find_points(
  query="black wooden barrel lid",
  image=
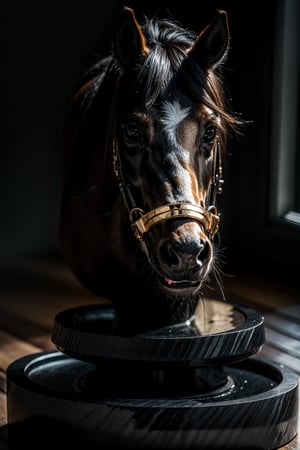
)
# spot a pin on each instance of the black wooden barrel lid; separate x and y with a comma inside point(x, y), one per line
point(64, 401)
point(218, 333)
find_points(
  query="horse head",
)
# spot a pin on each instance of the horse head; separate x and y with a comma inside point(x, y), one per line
point(169, 141)
point(165, 139)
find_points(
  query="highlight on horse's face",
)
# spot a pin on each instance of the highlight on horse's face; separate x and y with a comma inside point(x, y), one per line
point(167, 142)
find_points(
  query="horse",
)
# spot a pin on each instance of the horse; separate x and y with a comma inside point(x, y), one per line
point(145, 139)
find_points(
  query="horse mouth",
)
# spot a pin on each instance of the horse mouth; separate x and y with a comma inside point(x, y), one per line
point(182, 287)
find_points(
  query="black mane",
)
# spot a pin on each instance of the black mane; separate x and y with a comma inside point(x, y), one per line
point(168, 43)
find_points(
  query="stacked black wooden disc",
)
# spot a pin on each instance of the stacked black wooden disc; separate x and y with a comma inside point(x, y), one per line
point(197, 384)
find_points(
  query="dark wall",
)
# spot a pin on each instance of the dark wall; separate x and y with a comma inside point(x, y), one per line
point(45, 48)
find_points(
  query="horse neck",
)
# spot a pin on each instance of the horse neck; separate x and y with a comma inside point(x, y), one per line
point(87, 148)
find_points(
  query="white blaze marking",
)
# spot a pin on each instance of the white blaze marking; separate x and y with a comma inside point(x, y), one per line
point(173, 114)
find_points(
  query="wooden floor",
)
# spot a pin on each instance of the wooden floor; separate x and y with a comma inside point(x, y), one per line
point(34, 291)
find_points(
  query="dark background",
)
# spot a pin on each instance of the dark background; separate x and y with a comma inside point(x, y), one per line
point(46, 46)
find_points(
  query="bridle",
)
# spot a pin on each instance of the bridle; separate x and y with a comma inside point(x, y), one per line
point(142, 222)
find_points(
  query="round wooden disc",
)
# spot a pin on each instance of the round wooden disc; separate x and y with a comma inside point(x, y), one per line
point(53, 399)
point(218, 333)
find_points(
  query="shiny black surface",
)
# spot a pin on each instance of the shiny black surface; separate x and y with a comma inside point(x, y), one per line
point(218, 333)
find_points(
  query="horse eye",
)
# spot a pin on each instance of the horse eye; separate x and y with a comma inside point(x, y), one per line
point(209, 134)
point(132, 134)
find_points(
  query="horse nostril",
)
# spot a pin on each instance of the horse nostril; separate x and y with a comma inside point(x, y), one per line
point(202, 253)
point(184, 256)
point(169, 255)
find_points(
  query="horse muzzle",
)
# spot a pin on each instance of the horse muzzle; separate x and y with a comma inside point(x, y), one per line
point(184, 256)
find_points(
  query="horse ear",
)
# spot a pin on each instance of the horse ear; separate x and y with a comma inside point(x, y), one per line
point(129, 42)
point(212, 43)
